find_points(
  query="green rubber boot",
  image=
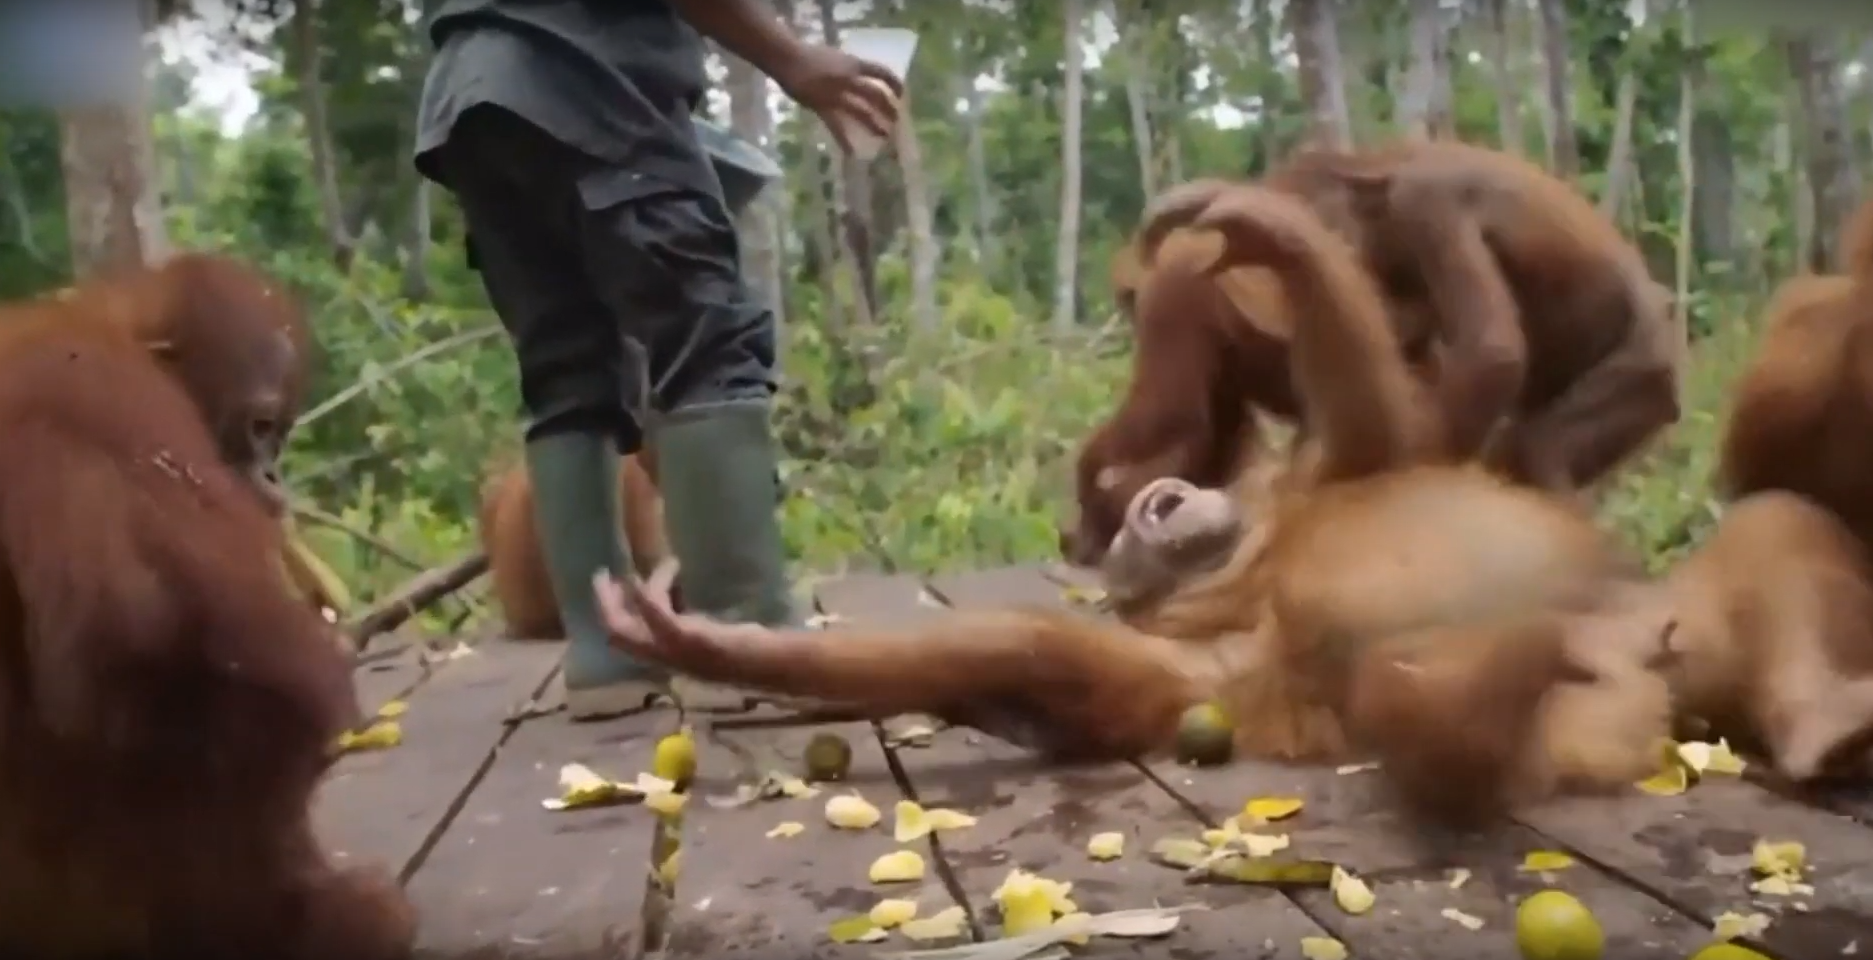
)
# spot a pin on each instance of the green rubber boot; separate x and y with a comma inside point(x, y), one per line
point(580, 520)
point(716, 469)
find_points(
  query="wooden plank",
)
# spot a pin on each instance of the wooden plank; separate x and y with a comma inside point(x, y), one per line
point(511, 879)
point(1407, 920)
point(1693, 851)
point(381, 681)
point(886, 598)
point(387, 804)
point(743, 894)
point(1039, 818)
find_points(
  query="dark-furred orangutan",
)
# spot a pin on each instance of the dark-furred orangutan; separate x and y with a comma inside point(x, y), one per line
point(171, 705)
point(512, 541)
point(1368, 590)
point(1548, 346)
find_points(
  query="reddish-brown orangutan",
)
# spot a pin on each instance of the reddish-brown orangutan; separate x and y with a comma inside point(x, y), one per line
point(1803, 411)
point(1370, 558)
point(171, 705)
point(512, 542)
point(1546, 343)
point(234, 339)
point(1774, 646)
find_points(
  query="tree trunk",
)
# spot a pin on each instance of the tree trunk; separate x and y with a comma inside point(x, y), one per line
point(113, 196)
point(852, 200)
point(749, 119)
point(1508, 90)
point(1423, 110)
point(981, 192)
point(1136, 65)
point(1563, 145)
point(924, 252)
point(308, 50)
point(416, 286)
point(1713, 159)
point(1688, 84)
point(1619, 163)
point(1814, 62)
point(1067, 245)
point(1323, 81)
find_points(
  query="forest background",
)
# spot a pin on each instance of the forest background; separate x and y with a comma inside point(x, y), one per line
point(949, 332)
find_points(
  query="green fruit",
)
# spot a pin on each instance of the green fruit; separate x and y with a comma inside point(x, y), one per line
point(828, 757)
point(1552, 925)
point(1205, 736)
point(675, 759)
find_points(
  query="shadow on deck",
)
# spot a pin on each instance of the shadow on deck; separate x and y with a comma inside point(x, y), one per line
point(457, 807)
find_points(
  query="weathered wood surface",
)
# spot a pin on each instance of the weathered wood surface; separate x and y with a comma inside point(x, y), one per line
point(456, 810)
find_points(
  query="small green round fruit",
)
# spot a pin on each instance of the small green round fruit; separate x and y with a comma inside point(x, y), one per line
point(1205, 736)
point(827, 757)
point(1552, 925)
point(675, 759)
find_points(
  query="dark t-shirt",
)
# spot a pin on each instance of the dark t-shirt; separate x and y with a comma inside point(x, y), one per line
point(615, 79)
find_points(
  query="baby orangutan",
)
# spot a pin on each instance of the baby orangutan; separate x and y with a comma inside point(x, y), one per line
point(1368, 596)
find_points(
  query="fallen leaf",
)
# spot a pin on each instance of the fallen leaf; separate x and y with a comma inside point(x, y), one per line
point(1270, 809)
point(1106, 846)
point(946, 924)
point(1322, 948)
point(903, 866)
point(1464, 920)
point(855, 930)
point(1350, 893)
point(1543, 861)
point(889, 913)
point(849, 811)
point(785, 830)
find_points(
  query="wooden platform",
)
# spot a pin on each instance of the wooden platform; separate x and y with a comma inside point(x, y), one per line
point(457, 808)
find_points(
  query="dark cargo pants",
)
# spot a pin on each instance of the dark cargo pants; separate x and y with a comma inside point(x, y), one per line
point(617, 289)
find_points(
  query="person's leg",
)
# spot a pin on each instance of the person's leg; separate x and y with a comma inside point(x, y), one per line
point(667, 261)
point(519, 195)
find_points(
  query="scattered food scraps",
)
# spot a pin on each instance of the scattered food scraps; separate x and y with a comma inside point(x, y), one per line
point(852, 812)
point(947, 924)
point(889, 913)
point(580, 787)
point(903, 866)
point(1546, 861)
point(1461, 919)
point(782, 831)
point(855, 930)
point(1270, 809)
point(1350, 893)
point(1731, 925)
point(915, 823)
point(1106, 846)
point(380, 735)
point(393, 709)
point(1553, 925)
point(1322, 948)
point(1459, 877)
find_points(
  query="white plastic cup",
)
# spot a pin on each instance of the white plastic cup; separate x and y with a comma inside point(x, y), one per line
point(889, 47)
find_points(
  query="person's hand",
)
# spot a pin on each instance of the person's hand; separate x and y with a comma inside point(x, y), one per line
point(840, 88)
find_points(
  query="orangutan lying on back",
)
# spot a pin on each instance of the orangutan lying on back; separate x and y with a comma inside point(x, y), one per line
point(1366, 597)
